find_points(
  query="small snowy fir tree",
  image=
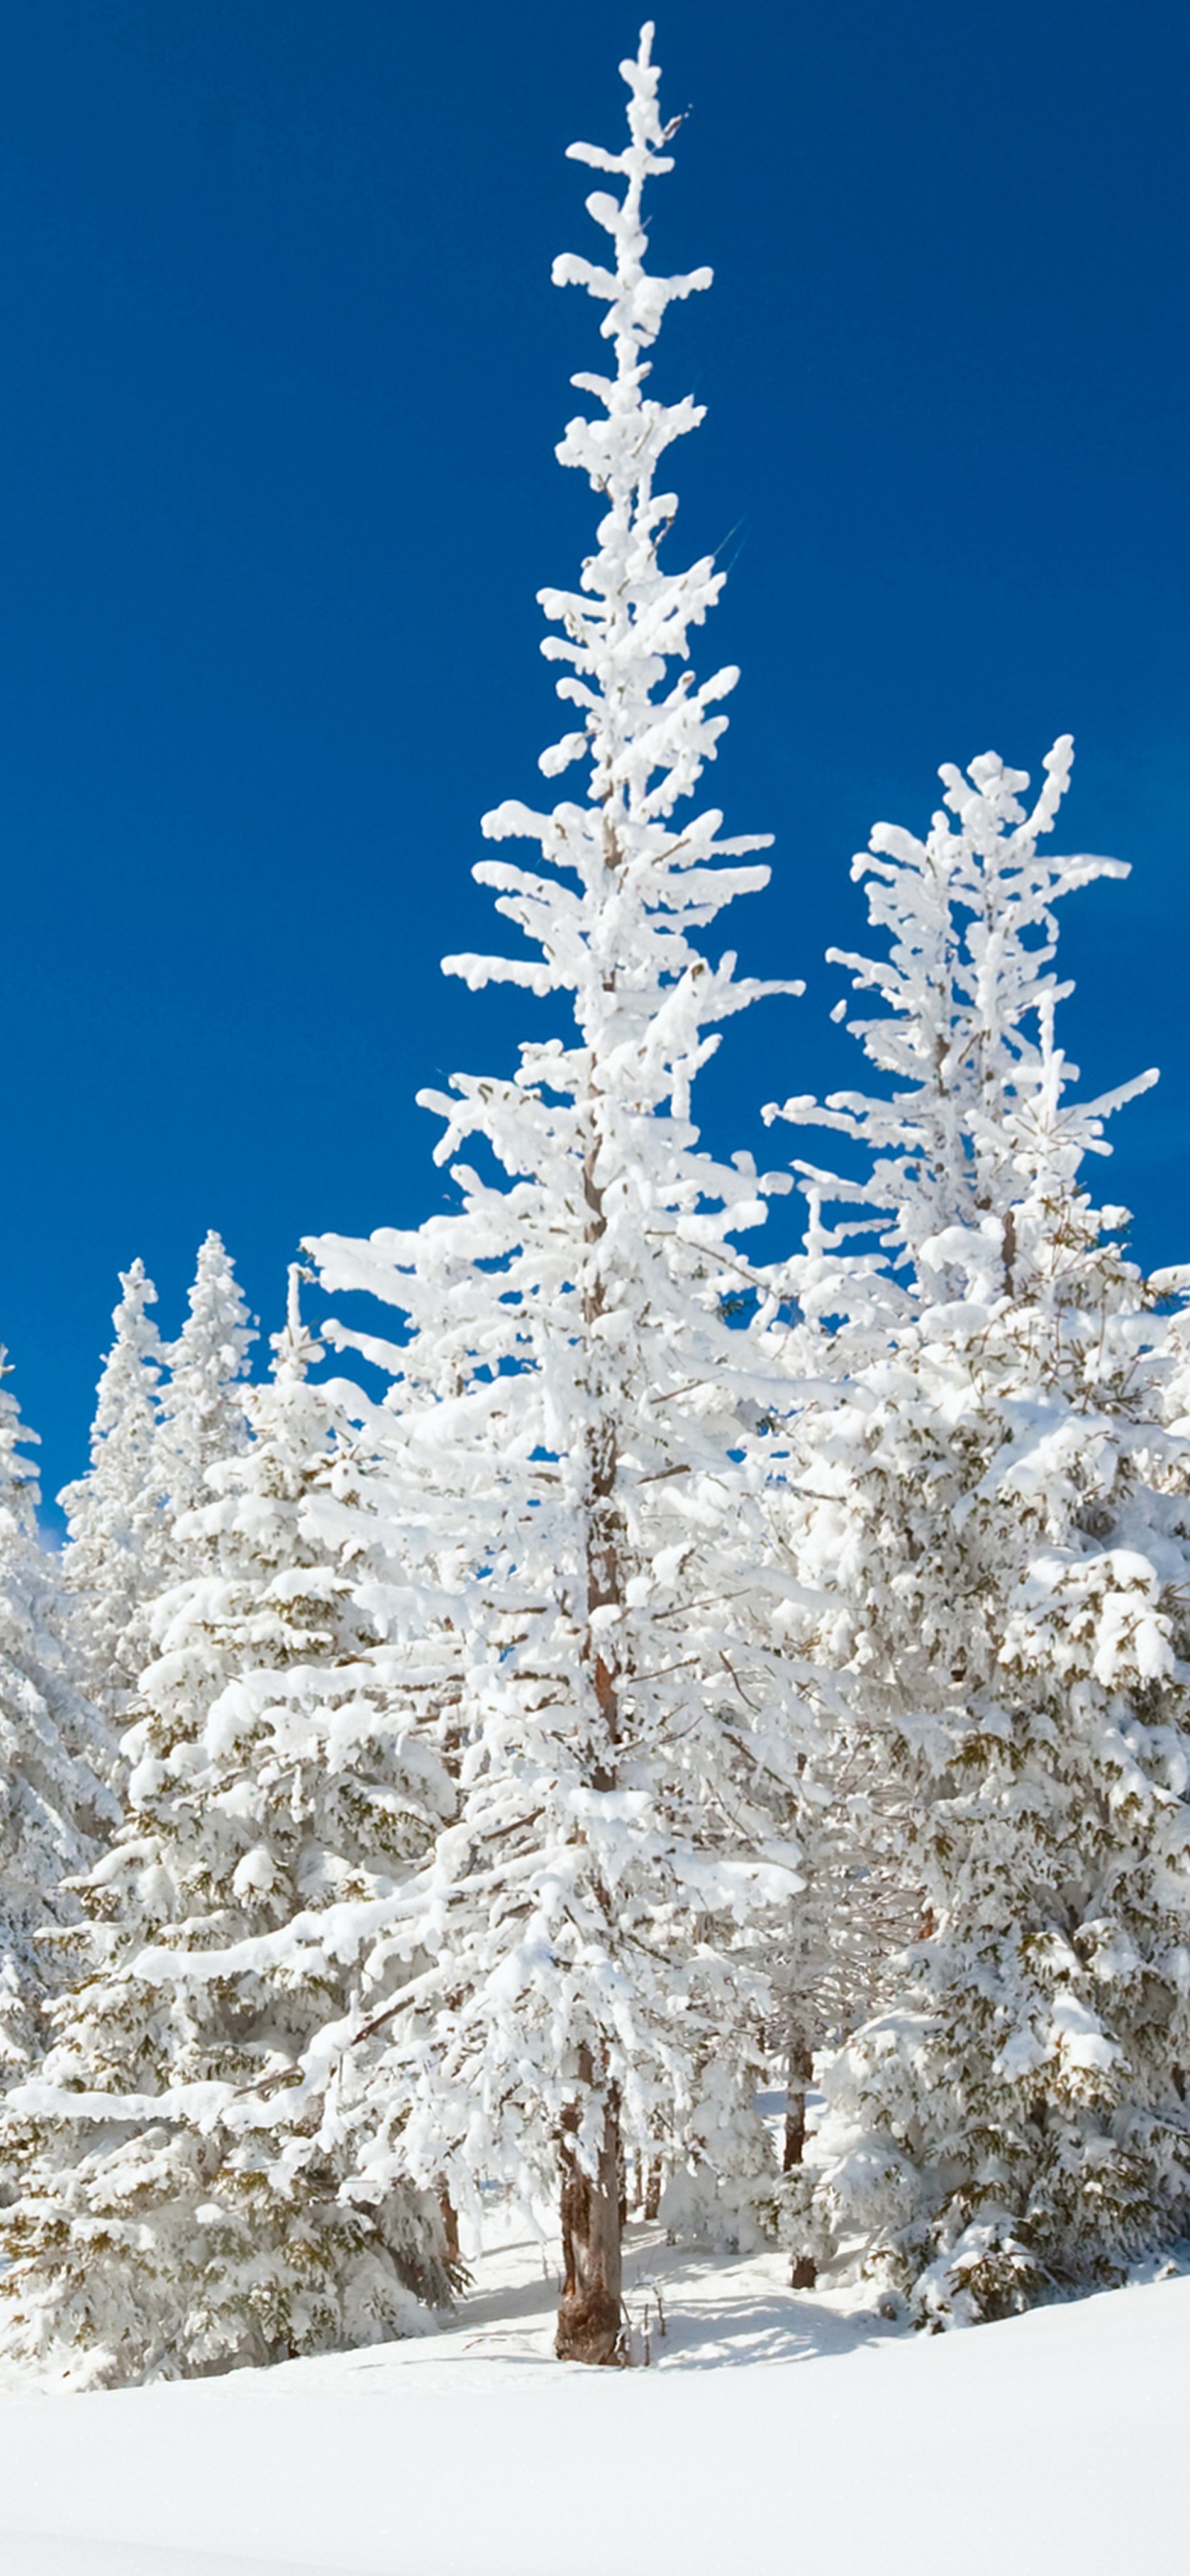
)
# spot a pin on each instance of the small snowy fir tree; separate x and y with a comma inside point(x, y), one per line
point(156, 2233)
point(54, 1807)
point(203, 1409)
point(574, 1433)
point(996, 1520)
point(114, 1514)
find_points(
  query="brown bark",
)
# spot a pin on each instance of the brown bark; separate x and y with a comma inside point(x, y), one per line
point(450, 2225)
point(604, 1572)
point(1010, 1248)
point(803, 2271)
point(593, 2207)
point(801, 2068)
point(590, 2318)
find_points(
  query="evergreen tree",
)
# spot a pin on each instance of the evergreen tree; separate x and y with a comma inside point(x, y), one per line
point(54, 1806)
point(178, 2212)
point(114, 1514)
point(996, 1518)
point(574, 1445)
point(204, 1416)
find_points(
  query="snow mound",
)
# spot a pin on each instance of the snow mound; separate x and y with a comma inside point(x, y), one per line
point(769, 2427)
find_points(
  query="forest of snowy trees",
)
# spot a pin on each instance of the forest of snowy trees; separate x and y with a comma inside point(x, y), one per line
point(663, 1672)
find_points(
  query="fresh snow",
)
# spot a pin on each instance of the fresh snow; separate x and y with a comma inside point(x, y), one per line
point(772, 2428)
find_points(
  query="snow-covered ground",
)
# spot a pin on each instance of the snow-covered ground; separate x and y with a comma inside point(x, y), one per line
point(770, 2428)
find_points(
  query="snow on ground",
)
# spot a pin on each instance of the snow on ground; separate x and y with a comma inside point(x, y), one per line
point(770, 2427)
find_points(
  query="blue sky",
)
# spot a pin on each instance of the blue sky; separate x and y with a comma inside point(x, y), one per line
point(283, 374)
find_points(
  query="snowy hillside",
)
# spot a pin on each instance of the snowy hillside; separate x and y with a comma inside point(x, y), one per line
point(770, 2430)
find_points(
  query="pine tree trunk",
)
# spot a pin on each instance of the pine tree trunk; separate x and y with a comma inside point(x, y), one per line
point(803, 2272)
point(801, 2068)
point(450, 2225)
point(590, 2318)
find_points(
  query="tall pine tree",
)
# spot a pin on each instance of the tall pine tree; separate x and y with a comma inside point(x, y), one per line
point(574, 1438)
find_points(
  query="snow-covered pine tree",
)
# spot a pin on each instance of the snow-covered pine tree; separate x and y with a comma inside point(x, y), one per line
point(54, 1806)
point(115, 1513)
point(179, 2212)
point(999, 1524)
point(151, 1446)
point(203, 1408)
point(587, 1947)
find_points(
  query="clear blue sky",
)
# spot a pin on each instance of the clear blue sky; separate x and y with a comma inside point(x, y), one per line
point(283, 371)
